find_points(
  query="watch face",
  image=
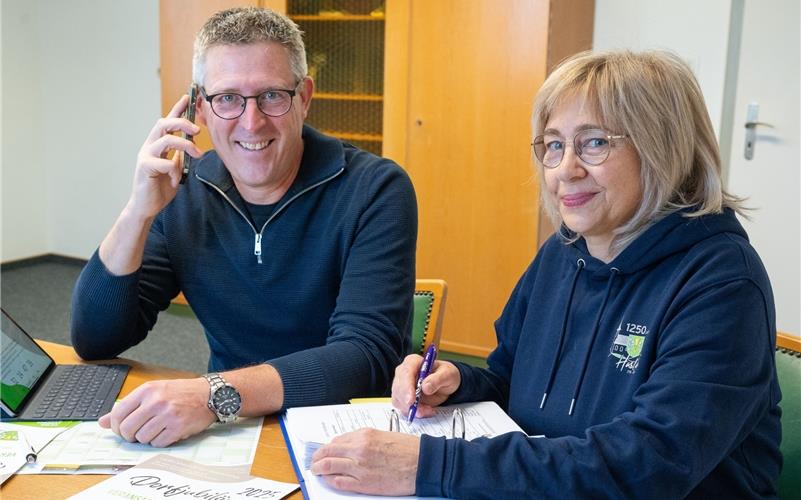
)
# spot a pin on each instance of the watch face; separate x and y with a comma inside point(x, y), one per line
point(227, 400)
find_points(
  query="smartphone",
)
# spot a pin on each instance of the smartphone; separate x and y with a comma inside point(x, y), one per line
point(189, 115)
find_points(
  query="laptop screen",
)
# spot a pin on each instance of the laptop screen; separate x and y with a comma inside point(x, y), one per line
point(23, 364)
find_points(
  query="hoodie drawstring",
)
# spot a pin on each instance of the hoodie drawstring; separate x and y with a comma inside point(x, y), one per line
point(579, 266)
point(592, 340)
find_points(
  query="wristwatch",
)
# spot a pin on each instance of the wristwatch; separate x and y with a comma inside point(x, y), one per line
point(224, 400)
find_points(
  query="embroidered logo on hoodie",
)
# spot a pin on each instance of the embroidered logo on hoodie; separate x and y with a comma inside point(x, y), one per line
point(627, 346)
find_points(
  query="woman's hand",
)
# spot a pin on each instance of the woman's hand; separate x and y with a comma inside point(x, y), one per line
point(369, 461)
point(443, 381)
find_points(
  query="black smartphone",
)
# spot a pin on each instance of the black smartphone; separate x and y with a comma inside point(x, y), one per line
point(189, 115)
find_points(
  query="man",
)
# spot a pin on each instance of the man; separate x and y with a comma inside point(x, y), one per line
point(295, 251)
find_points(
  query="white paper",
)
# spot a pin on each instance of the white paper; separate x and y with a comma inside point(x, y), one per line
point(319, 424)
point(13, 452)
point(322, 423)
point(165, 476)
point(21, 441)
point(87, 448)
point(40, 434)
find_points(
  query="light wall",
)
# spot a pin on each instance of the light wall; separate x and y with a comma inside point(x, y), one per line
point(24, 212)
point(696, 31)
point(80, 92)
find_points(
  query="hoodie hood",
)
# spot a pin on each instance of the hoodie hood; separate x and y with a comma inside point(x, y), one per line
point(674, 234)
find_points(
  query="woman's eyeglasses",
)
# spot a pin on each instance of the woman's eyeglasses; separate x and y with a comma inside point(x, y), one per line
point(592, 146)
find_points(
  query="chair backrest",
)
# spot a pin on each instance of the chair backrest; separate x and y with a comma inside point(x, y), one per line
point(429, 308)
point(788, 368)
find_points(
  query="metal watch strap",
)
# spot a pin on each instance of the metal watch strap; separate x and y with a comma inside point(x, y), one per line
point(216, 382)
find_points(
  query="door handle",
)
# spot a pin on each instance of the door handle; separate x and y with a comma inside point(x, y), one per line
point(751, 123)
point(758, 124)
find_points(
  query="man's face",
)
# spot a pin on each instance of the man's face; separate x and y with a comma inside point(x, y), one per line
point(261, 152)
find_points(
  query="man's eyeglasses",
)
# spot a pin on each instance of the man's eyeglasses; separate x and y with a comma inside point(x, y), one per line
point(592, 146)
point(230, 106)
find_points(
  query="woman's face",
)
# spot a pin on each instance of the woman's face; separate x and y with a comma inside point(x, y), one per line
point(593, 200)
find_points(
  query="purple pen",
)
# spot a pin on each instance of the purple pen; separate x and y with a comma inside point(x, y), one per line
point(425, 369)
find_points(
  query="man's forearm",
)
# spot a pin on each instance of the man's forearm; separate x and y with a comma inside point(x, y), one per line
point(122, 249)
point(261, 389)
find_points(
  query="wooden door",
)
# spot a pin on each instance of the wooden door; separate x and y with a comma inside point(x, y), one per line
point(458, 119)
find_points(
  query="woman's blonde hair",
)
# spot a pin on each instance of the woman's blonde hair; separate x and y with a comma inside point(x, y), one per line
point(654, 99)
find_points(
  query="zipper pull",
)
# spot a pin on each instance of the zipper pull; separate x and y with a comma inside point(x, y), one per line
point(257, 248)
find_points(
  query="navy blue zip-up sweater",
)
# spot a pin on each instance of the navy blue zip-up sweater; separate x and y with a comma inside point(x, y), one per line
point(652, 376)
point(327, 302)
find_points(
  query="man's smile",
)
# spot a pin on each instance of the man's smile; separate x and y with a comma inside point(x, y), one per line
point(255, 146)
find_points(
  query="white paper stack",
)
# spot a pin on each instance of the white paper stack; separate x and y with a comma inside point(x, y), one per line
point(310, 427)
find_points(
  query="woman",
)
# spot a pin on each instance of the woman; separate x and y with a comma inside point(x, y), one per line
point(640, 341)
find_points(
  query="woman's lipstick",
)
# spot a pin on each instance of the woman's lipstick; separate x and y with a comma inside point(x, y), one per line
point(576, 199)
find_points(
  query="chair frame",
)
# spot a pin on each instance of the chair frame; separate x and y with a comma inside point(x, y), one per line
point(438, 289)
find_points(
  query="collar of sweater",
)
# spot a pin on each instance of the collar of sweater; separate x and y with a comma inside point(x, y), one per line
point(323, 156)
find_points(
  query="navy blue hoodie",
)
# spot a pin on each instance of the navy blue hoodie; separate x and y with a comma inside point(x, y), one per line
point(652, 376)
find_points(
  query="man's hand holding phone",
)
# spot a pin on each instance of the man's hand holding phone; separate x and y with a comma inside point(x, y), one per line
point(155, 184)
point(157, 176)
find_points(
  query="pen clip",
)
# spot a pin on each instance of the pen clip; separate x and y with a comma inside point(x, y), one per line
point(394, 421)
point(457, 421)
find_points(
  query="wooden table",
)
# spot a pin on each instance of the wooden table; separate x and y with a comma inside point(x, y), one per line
point(272, 458)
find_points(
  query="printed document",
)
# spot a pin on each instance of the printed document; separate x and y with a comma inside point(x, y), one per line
point(14, 449)
point(87, 448)
point(20, 442)
point(164, 476)
point(310, 427)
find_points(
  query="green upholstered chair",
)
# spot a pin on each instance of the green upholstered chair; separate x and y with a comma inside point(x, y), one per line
point(788, 366)
point(429, 307)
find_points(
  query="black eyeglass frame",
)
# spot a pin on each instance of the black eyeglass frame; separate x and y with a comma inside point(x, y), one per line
point(209, 98)
point(612, 138)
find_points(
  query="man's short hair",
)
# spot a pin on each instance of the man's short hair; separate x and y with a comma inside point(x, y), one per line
point(247, 25)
